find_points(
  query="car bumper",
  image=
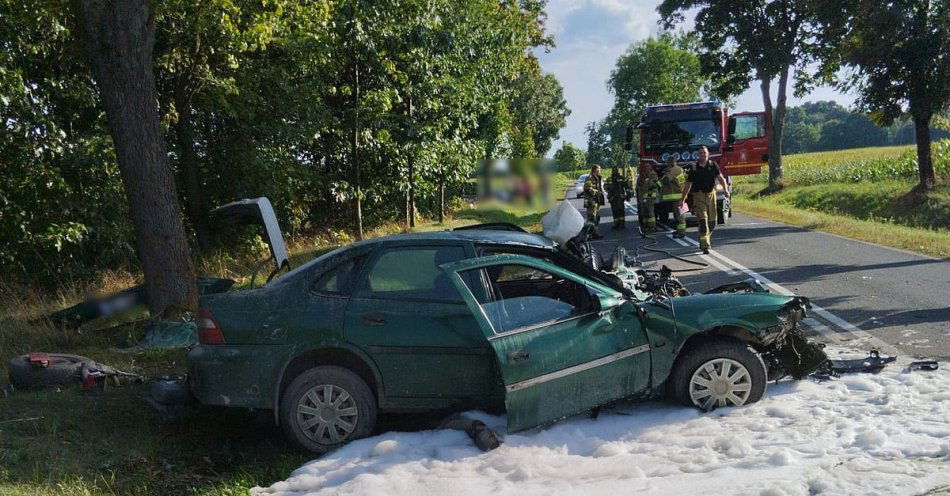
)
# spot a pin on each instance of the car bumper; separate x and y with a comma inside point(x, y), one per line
point(236, 375)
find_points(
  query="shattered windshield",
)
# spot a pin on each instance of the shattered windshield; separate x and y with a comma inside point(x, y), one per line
point(666, 136)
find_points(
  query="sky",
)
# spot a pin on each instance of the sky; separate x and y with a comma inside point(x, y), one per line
point(591, 34)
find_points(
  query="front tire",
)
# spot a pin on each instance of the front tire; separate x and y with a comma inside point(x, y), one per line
point(718, 374)
point(326, 407)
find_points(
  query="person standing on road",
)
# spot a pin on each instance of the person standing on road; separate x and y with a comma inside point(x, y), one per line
point(647, 191)
point(701, 182)
point(671, 189)
point(617, 193)
point(594, 198)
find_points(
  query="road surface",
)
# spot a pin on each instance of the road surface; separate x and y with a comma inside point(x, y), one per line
point(865, 295)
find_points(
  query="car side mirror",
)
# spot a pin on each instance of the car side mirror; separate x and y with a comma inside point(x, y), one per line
point(731, 139)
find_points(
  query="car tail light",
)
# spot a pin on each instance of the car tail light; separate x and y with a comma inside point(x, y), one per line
point(209, 332)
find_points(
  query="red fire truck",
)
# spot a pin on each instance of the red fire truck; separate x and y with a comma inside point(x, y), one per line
point(739, 143)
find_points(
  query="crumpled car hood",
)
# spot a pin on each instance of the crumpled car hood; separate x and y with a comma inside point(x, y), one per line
point(752, 311)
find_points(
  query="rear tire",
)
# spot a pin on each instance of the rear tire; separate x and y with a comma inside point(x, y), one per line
point(725, 372)
point(327, 407)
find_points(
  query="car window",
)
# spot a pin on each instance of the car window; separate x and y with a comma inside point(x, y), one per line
point(523, 296)
point(412, 273)
point(339, 279)
point(747, 126)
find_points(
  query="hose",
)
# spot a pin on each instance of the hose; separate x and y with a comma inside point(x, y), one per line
point(653, 241)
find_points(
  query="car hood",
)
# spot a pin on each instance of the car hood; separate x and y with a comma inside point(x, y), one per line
point(752, 311)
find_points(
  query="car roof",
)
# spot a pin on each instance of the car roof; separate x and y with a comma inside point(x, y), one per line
point(489, 236)
point(481, 236)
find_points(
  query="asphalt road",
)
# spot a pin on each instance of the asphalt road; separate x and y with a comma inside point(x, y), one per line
point(865, 295)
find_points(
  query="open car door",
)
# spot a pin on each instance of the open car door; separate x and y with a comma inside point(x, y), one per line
point(564, 344)
point(748, 139)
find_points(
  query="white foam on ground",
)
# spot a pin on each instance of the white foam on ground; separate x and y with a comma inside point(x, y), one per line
point(887, 433)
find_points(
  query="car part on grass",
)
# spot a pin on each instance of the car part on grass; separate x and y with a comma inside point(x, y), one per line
point(7, 390)
point(123, 301)
point(928, 365)
point(257, 211)
point(171, 391)
point(39, 370)
point(165, 334)
point(484, 437)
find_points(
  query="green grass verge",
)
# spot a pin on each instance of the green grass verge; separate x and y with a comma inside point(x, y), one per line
point(63, 442)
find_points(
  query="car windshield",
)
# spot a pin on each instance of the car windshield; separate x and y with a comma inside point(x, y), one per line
point(667, 136)
point(582, 178)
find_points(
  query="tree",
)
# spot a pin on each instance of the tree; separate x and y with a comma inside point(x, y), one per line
point(598, 143)
point(899, 51)
point(119, 36)
point(569, 157)
point(743, 40)
point(538, 102)
point(655, 71)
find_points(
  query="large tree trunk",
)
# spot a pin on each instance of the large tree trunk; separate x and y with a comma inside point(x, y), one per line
point(777, 124)
point(925, 166)
point(119, 36)
point(188, 161)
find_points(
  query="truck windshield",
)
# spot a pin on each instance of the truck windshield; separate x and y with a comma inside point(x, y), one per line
point(668, 136)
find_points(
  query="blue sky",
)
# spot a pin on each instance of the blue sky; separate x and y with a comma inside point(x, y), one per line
point(590, 35)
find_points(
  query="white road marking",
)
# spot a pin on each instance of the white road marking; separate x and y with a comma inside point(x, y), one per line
point(830, 317)
point(811, 322)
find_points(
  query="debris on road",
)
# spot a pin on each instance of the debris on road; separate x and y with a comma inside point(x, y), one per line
point(485, 438)
point(928, 365)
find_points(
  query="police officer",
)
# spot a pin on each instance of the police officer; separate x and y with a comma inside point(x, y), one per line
point(701, 182)
point(647, 192)
point(617, 193)
point(594, 198)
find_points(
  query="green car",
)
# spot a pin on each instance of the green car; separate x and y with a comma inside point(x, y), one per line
point(481, 318)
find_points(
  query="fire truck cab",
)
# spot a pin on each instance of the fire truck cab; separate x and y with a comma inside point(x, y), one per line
point(739, 143)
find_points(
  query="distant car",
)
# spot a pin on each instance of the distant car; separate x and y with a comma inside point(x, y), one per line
point(481, 318)
point(579, 185)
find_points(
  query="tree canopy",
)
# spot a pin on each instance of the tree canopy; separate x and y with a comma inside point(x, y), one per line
point(306, 102)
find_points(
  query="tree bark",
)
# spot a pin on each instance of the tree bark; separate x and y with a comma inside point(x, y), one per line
point(356, 151)
point(119, 38)
point(777, 117)
point(925, 166)
point(412, 166)
point(441, 202)
point(188, 161)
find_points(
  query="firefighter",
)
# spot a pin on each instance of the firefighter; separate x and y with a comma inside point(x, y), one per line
point(701, 182)
point(617, 193)
point(594, 198)
point(671, 189)
point(647, 191)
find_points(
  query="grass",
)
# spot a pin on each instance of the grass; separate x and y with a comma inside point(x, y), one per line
point(64, 442)
point(863, 194)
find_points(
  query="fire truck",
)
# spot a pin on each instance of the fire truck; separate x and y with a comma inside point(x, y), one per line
point(739, 143)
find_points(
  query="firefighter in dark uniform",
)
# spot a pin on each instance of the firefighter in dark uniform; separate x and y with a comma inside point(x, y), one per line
point(617, 193)
point(701, 182)
point(594, 198)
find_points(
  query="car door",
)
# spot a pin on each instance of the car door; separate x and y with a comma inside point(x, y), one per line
point(564, 344)
point(411, 320)
point(749, 139)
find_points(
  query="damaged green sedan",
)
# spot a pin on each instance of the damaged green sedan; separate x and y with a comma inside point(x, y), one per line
point(483, 318)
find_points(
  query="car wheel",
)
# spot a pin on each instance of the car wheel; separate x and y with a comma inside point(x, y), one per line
point(720, 373)
point(326, 407)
